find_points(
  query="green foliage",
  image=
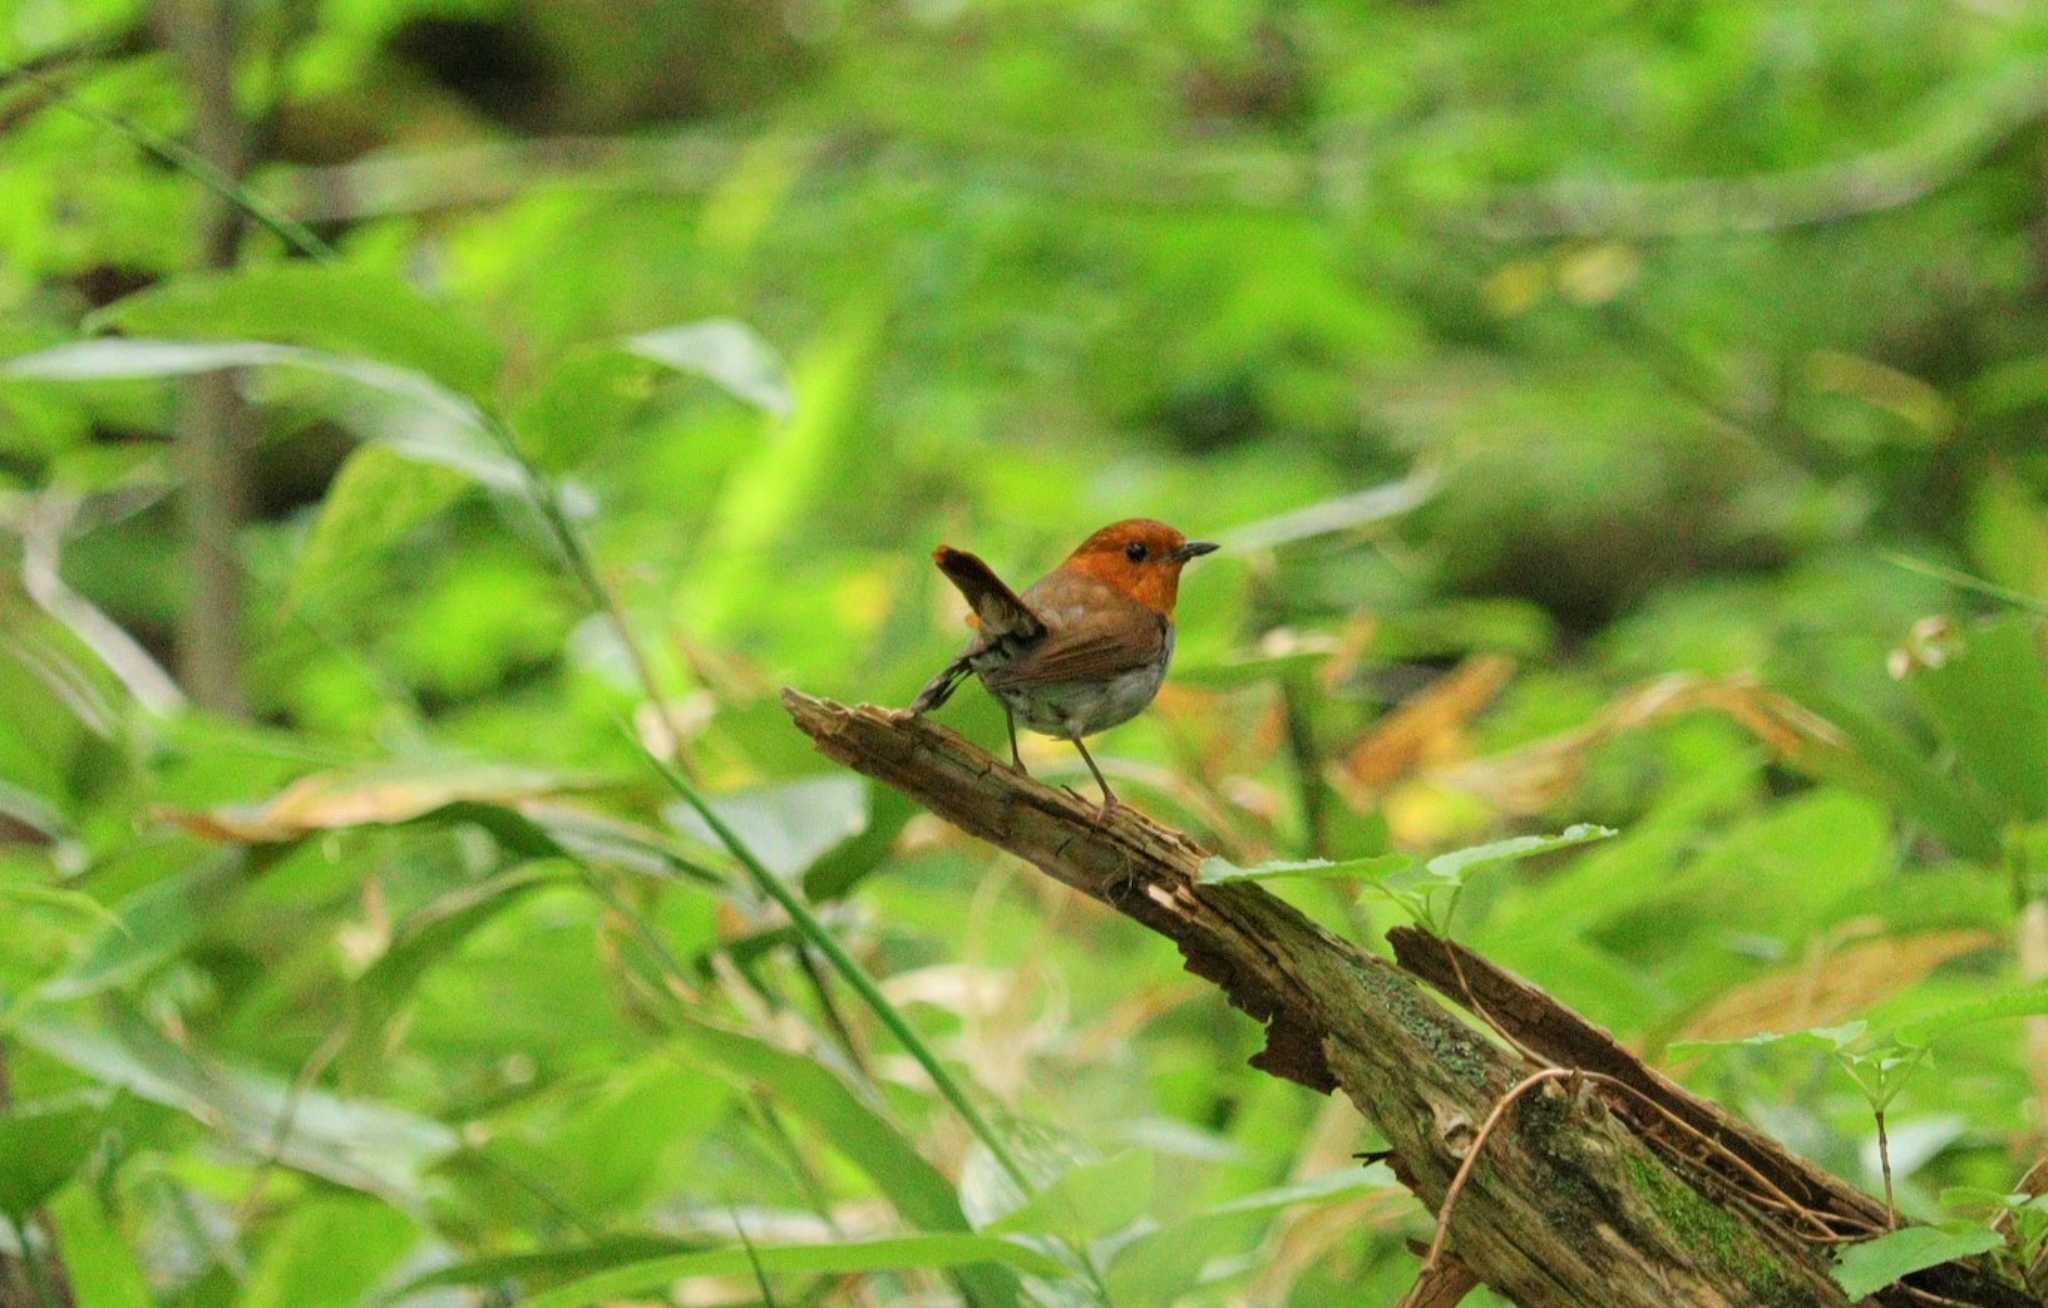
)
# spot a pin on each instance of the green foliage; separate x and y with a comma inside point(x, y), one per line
point(41, 1146)
point(1087, 1200)
point(1871, 1265)
point(913, 1251)
point(1620, 419)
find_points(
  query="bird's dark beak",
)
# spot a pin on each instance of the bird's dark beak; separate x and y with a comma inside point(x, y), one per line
point(1194, 549)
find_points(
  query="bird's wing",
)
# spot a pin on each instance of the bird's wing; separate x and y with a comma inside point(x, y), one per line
point(998, 611)
point(1091, 641)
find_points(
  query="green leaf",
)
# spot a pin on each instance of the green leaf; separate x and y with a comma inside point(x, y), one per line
point(1219, 871)
point(1866, 1268)
point(924, 1197)
point(378, 496)
point(328, 1253)
point(1158, 1267)
point(426, 939)
point(587, 397)
point(41, 1146)
point(149, 926)
point(726, 352)
point(435, 425)
point(904, 1252)
point(325, 306)
point(75, 902)
point(840, 869)
point(103, 1268)
point(790, 825)
point(1882, 763)
point(1989, 695)
point(767, 497)
point(2019, 1001)
point(1454, 865)
point(138, 358)
point(1087, 1200)
point(1822, 1039)
point(860, 1132)
point(351, 1142)
point(549, 1267)
point(2007, 530)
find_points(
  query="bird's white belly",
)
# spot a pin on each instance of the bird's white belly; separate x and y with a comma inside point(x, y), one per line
point(1082, 708)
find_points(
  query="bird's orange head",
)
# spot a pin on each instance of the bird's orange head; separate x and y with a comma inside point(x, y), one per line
point(1141, 558)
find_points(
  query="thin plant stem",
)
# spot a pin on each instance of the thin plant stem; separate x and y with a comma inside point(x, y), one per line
point(849, 970)
point(1884, 1157)
point(753, 1259)
point(547, 501)
point(833, 1017)
point(1464, 1173)
point(287, 229)
point(1965, 581)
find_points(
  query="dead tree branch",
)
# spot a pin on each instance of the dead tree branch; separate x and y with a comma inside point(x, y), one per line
point(1579, 1199)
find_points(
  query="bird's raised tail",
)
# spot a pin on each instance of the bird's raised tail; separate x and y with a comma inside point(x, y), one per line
point(997, 611)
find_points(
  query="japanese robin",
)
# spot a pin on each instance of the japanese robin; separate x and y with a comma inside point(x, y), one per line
point(1085, 648)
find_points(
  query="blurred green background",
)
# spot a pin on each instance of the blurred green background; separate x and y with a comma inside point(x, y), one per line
point(1626, 413)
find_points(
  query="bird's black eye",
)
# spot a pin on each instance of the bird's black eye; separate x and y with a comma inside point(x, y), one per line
point(1136, 551)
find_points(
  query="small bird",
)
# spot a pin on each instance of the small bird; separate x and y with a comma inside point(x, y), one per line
point(1085, 648)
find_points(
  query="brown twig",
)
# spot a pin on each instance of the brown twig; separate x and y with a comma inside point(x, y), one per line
point(1486, 1129)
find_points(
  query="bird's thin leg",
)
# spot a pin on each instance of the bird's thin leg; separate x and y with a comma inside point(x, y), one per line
point(1109, 800)
point(1015, 757)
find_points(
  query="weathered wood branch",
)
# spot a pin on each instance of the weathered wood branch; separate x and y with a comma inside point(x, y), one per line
point(1582, 1196)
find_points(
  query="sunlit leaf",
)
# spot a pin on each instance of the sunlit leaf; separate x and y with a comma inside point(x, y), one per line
point(1344, 514)
point(326, 306)
point(329, 801)
point(726, 352)
point(123, 358)
point(1824, 1039)
point(429, 422)
point(103, 1267)
point(782, 477)
point(1218, 871)
point(1458, 862)
point(75, 902)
